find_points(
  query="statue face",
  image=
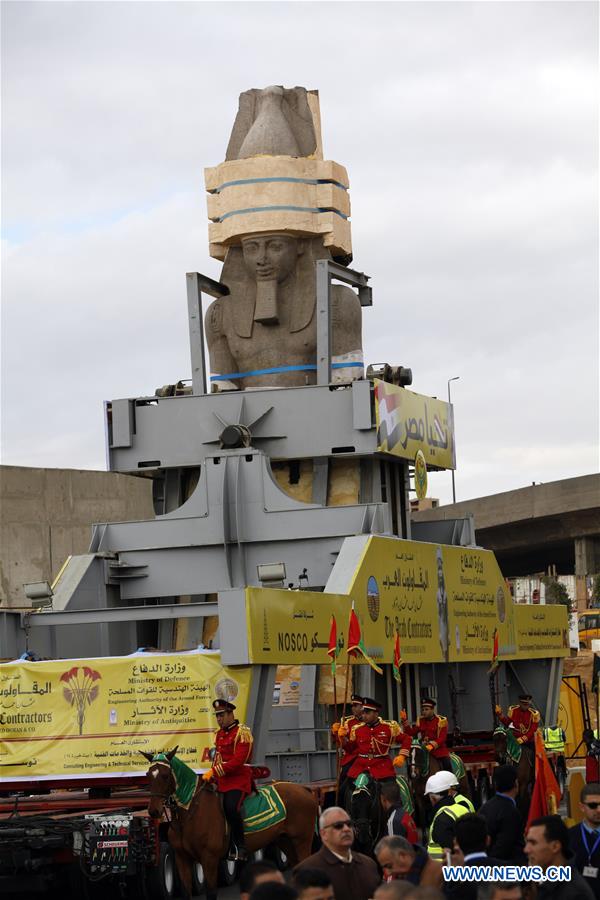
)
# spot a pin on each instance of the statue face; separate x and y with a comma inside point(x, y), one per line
point(270, 257)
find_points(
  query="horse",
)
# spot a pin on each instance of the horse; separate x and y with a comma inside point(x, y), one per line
point(422, 764)
point(508, 750)
point(198, 831)
point(363, 805)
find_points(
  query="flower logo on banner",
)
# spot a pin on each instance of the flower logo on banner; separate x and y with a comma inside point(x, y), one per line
point(80, 690)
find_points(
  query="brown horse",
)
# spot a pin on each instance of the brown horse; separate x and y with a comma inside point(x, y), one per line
point(197, 831)
point(508, 750)
point(421, 765)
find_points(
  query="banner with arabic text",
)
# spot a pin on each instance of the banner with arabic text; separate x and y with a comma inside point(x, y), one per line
point(80, 718)
point(408, 422)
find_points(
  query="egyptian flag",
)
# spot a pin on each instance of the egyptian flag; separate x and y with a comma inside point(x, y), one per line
point(356, 644)
point(332, 649)
point(397, 660)
point(546, 792)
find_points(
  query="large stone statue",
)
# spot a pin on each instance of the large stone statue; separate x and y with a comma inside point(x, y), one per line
point(276, 207)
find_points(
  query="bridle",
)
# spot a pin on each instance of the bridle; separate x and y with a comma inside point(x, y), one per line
point(164, 797)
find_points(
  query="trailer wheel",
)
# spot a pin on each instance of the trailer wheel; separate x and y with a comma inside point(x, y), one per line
point(198, 879)
point(160, 879)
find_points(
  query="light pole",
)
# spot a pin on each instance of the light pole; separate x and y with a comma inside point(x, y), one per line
point(456, 378)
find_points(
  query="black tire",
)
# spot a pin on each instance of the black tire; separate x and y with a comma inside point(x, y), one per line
point(161, 879)
point(198, 880)
point(228, 872)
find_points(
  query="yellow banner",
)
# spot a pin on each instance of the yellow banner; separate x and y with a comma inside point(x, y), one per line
point(542, 630)
point(80, 718)
point(479, 602)
point(408, 422)
point(444, 602)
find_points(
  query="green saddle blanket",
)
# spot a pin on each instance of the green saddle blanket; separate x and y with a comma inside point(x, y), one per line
point(458, 767)
point(263, 809)
point(455, 761)
point(405, 794)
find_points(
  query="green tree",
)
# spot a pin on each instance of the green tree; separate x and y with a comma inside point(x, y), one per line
point(556, 592)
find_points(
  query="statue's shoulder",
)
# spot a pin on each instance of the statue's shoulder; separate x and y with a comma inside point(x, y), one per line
point(343, 300)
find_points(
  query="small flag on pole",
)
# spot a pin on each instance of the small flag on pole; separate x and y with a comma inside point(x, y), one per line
point(332, 649)
point(356, 643)
point(397, 660)
point(495, 662)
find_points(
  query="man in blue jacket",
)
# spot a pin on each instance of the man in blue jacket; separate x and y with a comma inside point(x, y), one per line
point(584, 839)
point(504, 821)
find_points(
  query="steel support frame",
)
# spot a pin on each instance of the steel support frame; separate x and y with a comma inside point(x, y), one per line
point(119, 614)
point(196, 284)
point(326, 270)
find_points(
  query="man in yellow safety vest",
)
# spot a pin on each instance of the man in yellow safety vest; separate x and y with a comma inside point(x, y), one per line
point(448, 806)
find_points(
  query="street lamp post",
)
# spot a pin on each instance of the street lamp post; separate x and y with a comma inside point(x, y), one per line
point(456, 378)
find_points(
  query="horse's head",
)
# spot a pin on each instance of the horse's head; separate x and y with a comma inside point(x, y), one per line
point(505, 745)
point(362, 810)
point(417, 760)
point(161, 779)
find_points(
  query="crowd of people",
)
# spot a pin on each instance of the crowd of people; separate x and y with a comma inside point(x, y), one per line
point(403, 867)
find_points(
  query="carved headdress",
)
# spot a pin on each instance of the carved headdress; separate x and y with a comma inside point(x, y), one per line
point(275, 179)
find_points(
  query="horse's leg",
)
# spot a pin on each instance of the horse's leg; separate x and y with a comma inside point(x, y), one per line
point(210, 864)
point(184, 869)
point(302, 846)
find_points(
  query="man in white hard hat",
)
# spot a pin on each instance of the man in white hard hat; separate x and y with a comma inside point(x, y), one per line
point(448, 806)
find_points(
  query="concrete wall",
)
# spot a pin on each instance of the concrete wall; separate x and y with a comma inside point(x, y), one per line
point(47, 514)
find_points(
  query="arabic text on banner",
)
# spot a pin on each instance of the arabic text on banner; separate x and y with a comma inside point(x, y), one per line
point(408, 422)
point(78, 718)
point(444, 602)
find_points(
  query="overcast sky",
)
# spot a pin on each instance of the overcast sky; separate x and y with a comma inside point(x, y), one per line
point(470, 134)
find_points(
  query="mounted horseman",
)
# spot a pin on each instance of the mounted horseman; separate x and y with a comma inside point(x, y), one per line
point(346, 746)
point(230, 770)
point(372, 739)
point(524, 719)
point(432, 728)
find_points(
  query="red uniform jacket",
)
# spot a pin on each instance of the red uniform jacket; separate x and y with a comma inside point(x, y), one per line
point(525, 722)
point(348, 746)
point(234, 750)
point(373, 744)
point(433, 731)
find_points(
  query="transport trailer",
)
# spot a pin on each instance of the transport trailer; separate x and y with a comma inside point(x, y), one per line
point(78, 844)
point(88, 842)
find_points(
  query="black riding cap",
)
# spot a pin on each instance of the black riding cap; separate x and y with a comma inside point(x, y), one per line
point(222, 706)
point(368, 703)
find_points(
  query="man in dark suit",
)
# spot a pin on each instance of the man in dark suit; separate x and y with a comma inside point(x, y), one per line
point(504, 821)
point(470, 849)
point(584, 839)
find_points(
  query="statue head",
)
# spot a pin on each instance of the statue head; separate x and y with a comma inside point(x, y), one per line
point(271, 257)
